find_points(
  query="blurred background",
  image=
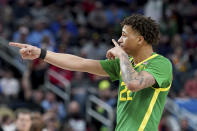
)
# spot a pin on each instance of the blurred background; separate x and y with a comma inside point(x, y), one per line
point(36, 96)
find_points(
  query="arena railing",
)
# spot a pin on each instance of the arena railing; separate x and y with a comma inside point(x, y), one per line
point(181, 113)
point(65, 95)
point(11, 55)
point(91, 112)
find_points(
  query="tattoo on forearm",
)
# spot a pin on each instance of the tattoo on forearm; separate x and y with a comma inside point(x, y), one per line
point(141, 80)
point(149, 81)
point(129, 74)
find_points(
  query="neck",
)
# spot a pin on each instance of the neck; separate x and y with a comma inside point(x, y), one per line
point(142, 54)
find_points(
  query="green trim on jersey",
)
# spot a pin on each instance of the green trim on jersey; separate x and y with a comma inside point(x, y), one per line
point(142, 110)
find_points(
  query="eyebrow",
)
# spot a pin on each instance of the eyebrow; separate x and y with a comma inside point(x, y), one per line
point(124, 32)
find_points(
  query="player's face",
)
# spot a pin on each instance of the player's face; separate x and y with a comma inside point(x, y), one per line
point(129, 40)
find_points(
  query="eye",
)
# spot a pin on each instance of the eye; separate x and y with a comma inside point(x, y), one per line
point(123, 35)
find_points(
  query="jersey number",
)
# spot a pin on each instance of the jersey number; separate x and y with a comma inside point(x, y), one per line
point(125, 90)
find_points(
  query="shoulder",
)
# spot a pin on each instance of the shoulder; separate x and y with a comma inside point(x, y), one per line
point(160, 65)
point(160, 68)
point(160, 60)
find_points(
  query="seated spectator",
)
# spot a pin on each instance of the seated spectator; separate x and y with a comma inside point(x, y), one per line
point(37, 73)
point(21, 9)
point(23, 120)
point(88, 6)
point(191, 43)
point(185, 125)
point(37, 122)
point(7, 118)
point(97, 18)
point(114, 14)
point(50, 103)
point(38, 10)
point(75, 121)
point(180, 59)
point(9, 85)
point(47, 44)
point(21, 34)
point(80, 84)
point(95, 48)
point(36, 36)
point(38, 96)
point(51, 121)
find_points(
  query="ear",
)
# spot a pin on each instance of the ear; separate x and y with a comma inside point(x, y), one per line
point(140, 40)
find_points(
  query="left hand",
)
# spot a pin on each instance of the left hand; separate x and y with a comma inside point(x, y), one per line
point(114, 52)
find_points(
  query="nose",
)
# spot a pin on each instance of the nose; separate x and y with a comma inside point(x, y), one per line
point(120, 40)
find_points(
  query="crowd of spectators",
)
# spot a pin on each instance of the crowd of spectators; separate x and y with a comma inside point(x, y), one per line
point(85, 28)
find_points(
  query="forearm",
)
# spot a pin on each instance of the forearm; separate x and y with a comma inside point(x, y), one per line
point(75, 63)
point(65, 61)
point(127, 71)
point(134, 80)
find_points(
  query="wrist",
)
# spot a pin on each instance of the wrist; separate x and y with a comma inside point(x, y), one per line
point(43, 53)
point(123, 54)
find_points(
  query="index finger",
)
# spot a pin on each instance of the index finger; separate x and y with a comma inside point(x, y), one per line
point(17, 45)
point(115, 43)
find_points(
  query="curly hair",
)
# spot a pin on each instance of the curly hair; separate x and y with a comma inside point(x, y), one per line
point(145, 26)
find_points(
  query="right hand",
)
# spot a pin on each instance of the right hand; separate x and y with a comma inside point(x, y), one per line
point(27, 51)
